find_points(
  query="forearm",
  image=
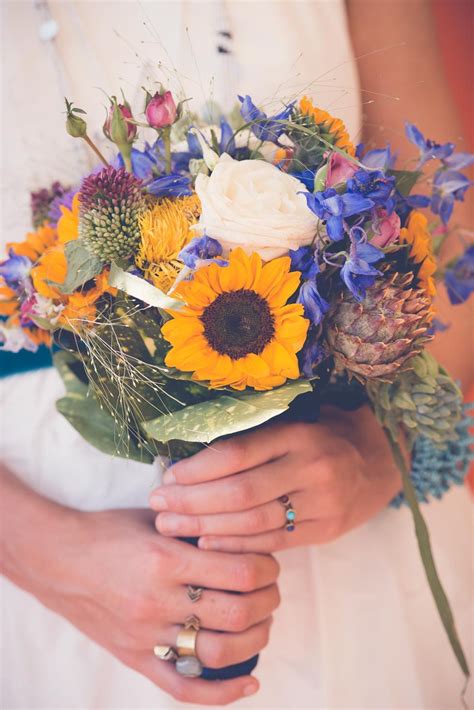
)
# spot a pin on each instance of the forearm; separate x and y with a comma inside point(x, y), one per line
point(30, 525)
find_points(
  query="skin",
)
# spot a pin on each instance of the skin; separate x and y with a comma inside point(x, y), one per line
point(128, 592)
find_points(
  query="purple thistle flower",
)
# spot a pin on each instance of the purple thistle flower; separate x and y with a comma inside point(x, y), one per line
point(64, 200)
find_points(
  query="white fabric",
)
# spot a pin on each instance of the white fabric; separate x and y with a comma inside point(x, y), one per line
point(357, 627)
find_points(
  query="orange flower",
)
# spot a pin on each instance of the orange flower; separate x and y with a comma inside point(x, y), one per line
point(417, 235)
point(35, 243)
point(80, 306)
point(329, 124)
point(9, 303)
point(68, 224)
point(52, 266)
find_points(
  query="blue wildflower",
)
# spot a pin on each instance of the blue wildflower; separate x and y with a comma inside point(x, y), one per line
point(374, 185)
point(266, 128)
point(170, 186)
point(312, 354)
point(15, 270)
point(448, 186)
point(55, 212)
point(144, 162)
point(428, 148)
point(305, 260)
point(459, 279)
point(457, 161)
point(379, 158)
point(358, 273)
point(334, 208)
point(200, 249)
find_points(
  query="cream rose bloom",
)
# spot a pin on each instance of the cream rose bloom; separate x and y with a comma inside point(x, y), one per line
point(253, 205)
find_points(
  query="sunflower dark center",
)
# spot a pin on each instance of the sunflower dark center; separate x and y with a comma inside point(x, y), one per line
point(238, 323)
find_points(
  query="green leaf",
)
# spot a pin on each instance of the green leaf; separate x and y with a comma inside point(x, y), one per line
point(424, 544)
point(81, 267)
point(405, 180)
point(65, 363)
point(224, 415)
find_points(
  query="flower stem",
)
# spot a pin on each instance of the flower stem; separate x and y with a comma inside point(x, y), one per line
point(167, 142)
point(423, 537)
point(95, 149)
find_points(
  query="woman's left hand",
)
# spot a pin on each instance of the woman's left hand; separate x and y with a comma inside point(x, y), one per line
point(337, 473)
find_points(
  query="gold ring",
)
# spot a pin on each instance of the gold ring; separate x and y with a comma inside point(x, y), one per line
point(186, 641)
point(194, 593)
point(165, 653)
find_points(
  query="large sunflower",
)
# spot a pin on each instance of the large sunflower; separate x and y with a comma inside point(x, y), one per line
point(236, 328)
point(329, 124)
point(416, 234)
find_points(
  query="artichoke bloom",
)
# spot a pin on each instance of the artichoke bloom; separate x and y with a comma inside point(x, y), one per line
point(236, 328)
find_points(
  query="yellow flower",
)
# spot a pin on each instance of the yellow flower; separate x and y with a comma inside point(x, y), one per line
point(334, 126)
point(52, 266)
point(68, 224)
point(236, 328)
point(416, 234)
point(36, 243)
point(165, 230)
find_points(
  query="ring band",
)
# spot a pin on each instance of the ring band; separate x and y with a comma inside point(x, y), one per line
point(194, 593)
point(187, 637)
point(165, 653)
point(290, 513)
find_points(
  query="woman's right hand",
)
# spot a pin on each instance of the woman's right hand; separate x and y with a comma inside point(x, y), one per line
point(123, 585)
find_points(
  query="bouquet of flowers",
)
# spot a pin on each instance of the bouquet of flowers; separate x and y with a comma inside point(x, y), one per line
point(233, 270)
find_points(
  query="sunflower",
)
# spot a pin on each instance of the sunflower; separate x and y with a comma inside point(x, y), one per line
point(165, 230)
point(334, 126)
point(418, 237)
point(35, 243)
point(236, 328)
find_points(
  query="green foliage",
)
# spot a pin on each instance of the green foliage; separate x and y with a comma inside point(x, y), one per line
point(227, 414)
point(405, 180)
point(81, 266)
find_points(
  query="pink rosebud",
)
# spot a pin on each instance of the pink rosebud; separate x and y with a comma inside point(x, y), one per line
point(386, 228)
point(340, 169)
point(116, 126)
point(161, 110)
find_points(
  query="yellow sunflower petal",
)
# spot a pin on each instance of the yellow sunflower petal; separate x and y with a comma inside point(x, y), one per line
point(279, 295)
point(272, 275)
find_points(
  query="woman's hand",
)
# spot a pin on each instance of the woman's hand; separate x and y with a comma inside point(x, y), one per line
point(337, 474)
point(124, 586)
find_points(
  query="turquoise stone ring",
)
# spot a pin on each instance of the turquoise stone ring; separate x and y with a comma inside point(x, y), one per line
point(290, 513)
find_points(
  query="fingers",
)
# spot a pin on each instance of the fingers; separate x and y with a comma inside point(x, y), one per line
point(218, 650)
point(220, 611)
point(226, 457)
point(315, 532)
point(194, 690)
point(234, 573)
point(240, 492)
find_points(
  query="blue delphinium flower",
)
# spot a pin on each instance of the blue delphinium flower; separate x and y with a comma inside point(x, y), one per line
point(55, 212)
point(379, 158)
point(145, 162)
point(199, 250)
point(15, 270)
point(358, 273)
point(170, 186)
point(448, 186)
point(428, 148)
point(312, 354)
point(459, 279)
point(334, 208)
point(374, 185)
point(305, 260)
point(458, 161)
point(266, 128)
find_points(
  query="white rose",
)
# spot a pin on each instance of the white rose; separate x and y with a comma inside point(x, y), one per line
point(252, 204)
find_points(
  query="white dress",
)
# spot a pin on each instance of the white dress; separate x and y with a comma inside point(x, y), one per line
point(357, 627)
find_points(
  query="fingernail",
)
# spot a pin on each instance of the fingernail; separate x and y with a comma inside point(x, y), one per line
point(168, 523)
point(169, 477)
point(158, 502)
point(251, 689)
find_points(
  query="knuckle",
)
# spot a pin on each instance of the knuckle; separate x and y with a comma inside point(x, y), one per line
point(246, 574)
point(244, 494)
point(236, 452)
point(239, 617)
point(325, 470)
